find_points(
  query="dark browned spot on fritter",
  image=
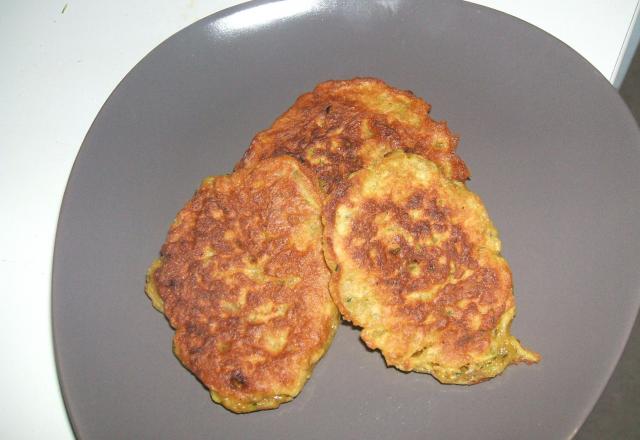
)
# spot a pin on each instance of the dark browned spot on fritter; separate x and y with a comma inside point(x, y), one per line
point(237, 379)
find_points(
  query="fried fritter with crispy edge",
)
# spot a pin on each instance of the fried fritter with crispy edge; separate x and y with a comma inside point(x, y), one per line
point(343, 126)
point(243, 282)
point(416, 263)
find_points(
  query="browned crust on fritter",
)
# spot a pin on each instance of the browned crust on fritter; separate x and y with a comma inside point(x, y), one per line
point(488, 286)
point(473, 282)
point(240, 268)
point(342, 126)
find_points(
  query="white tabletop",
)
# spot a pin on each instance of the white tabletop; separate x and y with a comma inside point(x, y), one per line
point(62, 60)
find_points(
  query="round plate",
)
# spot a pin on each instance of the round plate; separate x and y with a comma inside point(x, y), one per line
point(553, 152)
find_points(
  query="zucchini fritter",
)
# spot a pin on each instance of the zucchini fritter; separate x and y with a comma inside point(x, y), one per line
point(243, 282)
point(343, 126)
point(416, 263)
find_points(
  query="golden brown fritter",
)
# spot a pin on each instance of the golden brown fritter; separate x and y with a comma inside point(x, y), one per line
point(343, 126)
point(416, 263)
point(242, 280)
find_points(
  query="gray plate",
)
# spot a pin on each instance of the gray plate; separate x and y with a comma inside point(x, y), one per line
point(553, 151)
